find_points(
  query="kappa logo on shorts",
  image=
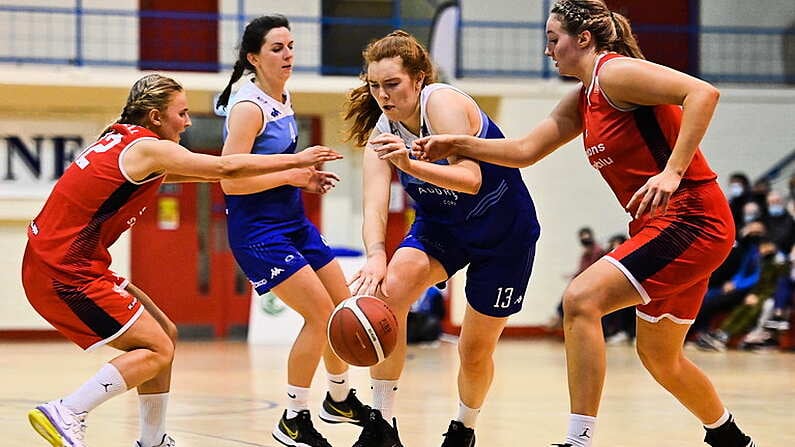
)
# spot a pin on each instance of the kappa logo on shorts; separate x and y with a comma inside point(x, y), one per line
point(276, 271)
point(132, 303)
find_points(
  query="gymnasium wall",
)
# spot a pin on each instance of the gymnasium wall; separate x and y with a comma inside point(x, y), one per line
point(751, 130)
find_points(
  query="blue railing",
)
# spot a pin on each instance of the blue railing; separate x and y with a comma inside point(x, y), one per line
point(81, 36)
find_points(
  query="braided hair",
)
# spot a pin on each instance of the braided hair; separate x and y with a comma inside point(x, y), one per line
point(610, 30)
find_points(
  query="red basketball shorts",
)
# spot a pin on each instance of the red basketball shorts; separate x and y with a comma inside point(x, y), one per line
point(669, 258)
point(90, 314)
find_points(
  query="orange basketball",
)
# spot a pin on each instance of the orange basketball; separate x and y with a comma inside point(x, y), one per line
point(362, 330)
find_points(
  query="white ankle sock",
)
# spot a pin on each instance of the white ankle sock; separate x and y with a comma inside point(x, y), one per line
point(384, 396)
point(338, 386)
point(152, 418)
point(297, 400)
point(467, 416)
point(581, 430)
point(721, 420)
point(105, 384)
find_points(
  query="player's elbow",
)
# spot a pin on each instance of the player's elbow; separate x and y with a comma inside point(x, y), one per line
point(472, 186)
point(229, 168)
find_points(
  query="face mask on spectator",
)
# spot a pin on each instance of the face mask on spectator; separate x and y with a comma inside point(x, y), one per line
point(735, 190)
point(750, 217)
point(776, 210)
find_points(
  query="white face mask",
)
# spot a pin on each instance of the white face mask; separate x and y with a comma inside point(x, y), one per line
point(775, 210)
point(750, 217)
point(735, 190)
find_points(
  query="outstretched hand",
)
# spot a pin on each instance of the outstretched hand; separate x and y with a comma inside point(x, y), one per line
point(434, 147)
point(655, 194)
point(321, 182)
point(316, 154)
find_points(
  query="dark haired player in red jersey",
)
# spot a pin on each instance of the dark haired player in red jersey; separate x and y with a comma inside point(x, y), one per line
point(641, 124)
point(66, 273)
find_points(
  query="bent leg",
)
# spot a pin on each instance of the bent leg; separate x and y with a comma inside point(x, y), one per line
point(660, 349)
point(399, 293)
point(479, 336)
point(600, 289)
point(304, 293)
point(333, 279)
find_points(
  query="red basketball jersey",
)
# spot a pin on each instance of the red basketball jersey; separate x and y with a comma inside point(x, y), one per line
point(628, 146)
point(90, 206)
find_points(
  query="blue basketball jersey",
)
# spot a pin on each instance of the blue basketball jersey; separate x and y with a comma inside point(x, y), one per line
point(474, 218)
point(252, 216)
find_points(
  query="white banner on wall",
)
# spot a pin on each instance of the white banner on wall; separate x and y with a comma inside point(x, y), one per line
point(34, 153)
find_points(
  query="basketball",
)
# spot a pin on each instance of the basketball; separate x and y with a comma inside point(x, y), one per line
point(362, 330)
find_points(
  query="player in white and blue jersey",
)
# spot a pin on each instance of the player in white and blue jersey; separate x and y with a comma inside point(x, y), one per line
point(468, 213)
point(274, 243)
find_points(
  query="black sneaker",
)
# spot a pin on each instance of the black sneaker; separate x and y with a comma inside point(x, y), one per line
point(562, 445)
point(728, 435)
point(458, 435)
point(298, 431)
point(377, 432)
point(350, 410)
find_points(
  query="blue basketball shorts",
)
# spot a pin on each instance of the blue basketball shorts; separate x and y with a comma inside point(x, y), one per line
point(270, 260)
point(496, 281)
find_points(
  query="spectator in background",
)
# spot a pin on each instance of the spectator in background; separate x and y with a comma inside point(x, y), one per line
point(779, 223)
point(743, 317)
point(732, 292)
point(791, 199)
point(591, 252)
point(619, 326)
point(739, 193)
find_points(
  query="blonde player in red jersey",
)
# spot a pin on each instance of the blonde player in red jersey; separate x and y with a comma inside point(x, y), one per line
point(66, 273)
point(642, 124)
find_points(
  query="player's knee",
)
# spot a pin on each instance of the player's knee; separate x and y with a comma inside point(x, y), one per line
point(171, 331)
point(474, 355)
point(578, 301)
point(161, 352)
point(319, 315)
point(395, 294)
point(660, 367)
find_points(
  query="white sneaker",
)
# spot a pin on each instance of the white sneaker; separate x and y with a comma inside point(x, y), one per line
point(60, 426)
point(167, 441)
point(619, 338)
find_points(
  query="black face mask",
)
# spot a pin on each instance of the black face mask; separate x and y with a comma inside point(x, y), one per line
point(586, 242)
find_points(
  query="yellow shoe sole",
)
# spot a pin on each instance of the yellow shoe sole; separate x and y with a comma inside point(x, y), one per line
point(44, 427)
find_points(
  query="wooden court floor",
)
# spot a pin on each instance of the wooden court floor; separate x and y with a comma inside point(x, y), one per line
point(229, 394)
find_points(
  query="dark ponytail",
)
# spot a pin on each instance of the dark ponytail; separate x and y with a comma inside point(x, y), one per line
point(251, 42)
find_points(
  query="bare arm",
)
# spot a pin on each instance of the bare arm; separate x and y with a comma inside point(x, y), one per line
point(638, 82)
point(449, 112)
point(377, 177)
point(244, 124)
point(561, 126)
point(148, 157)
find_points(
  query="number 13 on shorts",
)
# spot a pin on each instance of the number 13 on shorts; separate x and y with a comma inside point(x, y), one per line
point(504, 297)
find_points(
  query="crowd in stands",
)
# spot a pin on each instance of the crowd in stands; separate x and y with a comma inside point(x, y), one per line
point(750, 296)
